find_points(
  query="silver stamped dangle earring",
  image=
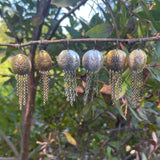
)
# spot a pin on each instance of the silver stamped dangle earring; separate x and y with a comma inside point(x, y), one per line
point(69, 61)
point(92, 61)
point(21, 66)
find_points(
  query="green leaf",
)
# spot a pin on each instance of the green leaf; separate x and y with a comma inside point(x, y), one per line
point(10, 69)
point(138, 9)
point(84, 24)
point(148, 104)
point(74, 33)
point(7, 82)
point(86, 109)
point(9, 51)
point(142, 114)
point(95, 20)
point(100, 31)
point(157, 50)
point(124, 89)
point(149, 16)
point(64, 3)
point(134, 113)
point(117, 104)
point(73, 22)
point(155, 73)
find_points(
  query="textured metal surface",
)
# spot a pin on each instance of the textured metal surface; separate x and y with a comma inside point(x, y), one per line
point(137, 60)
point(43, 61)
point(116, 60)
point(21, 64)
point(93, 60)
point(68, 60)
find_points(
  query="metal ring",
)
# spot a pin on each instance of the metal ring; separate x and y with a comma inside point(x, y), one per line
point(19, 46)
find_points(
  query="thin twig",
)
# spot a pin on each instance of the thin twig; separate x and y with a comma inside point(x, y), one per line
point(114, 22)
point(9, 143)
point(112, 16)
point(55, 19)
point(133, 13)
point(8, 158)
point(83, 40)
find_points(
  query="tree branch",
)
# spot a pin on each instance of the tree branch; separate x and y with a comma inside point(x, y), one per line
point(133, 13)
point(55, 18)
point(9, 143)
point(83, 40)
point(66, 15)
point(8, 158)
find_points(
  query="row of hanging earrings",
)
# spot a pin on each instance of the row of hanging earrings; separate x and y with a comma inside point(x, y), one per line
point(69, 61)
point(21, 66)
point(92, 61)
point(116, 61)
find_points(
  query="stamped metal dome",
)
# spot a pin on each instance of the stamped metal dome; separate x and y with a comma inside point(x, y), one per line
point(43, 61)
point(68, 60)
point(93, 60)
point(137, 60)
point(21, 64)
point(116, 60)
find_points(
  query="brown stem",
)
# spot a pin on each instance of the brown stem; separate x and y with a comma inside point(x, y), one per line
point(114, 22)
point(9, 143)
point(28, 120)
point(83, 40)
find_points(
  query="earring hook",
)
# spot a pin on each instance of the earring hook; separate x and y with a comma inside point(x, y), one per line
point(95, 44)
point(140, 40)
point(67, 44)
point(19, 48)
point(40, 45)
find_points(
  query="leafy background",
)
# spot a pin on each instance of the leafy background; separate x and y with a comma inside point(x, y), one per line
point(97, 130)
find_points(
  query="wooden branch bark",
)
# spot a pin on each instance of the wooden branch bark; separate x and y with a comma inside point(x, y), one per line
point(9, 143)
point(83, 40)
